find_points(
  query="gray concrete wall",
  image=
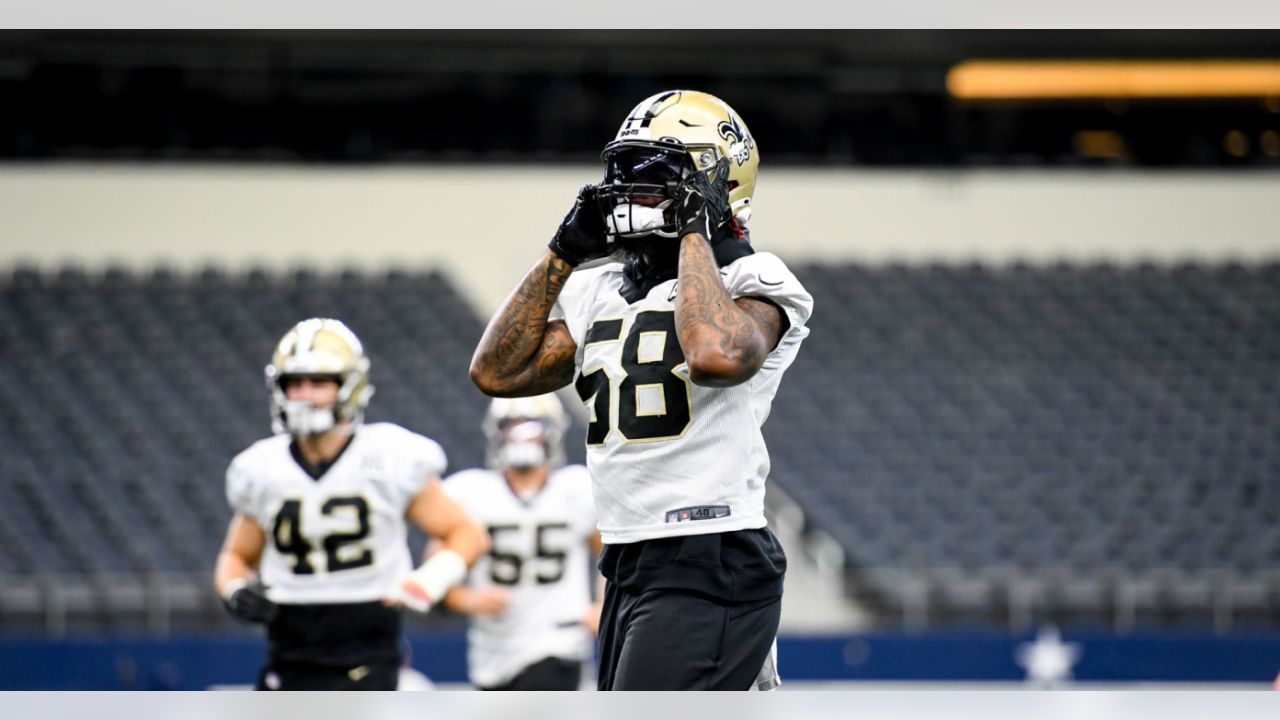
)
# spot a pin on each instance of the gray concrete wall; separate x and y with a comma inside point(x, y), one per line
point(487, 224)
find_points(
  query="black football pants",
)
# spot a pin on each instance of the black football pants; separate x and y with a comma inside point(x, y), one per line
point(546, 674)
point(679, 640)
point(286, 675)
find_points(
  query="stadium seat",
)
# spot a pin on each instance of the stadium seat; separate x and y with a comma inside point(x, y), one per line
point(999, 445)
point(1087, 436)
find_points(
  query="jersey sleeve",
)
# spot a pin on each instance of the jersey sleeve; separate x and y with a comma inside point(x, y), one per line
point(574, 301)
point(240, 488)
point(423, 459)
point(764, 275)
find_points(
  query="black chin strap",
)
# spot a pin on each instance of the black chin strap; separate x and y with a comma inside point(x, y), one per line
point(643, 272)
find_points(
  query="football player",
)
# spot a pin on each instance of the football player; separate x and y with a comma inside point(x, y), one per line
point(532, 619)
point(677, 349)
point(317, 548)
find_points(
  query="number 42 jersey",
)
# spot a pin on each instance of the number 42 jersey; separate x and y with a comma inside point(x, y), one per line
point(669, 457)
point(340, 537)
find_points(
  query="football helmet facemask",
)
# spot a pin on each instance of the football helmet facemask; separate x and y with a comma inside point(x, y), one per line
point(525, 432)
point(318, 347)
point(663, 140)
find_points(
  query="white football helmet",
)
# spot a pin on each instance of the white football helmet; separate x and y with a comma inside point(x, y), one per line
point(318, 347)
point(664, 139)
point(525, 432)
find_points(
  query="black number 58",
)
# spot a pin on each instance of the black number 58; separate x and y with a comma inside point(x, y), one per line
point(650, 354)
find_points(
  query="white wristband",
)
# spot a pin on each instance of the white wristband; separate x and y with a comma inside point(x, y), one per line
point(232, 586)
point(440, 572)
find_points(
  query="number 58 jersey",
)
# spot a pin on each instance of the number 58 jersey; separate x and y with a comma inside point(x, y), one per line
point(669, 457)
point(340, 537)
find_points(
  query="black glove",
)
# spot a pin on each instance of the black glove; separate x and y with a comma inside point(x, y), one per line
point(581, 235)
point(703, 205)
point(250, 602)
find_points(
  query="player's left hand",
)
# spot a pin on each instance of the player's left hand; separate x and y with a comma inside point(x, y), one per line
point(414, 597)
point(425, 587)
point(488, 601)
point(703, 204)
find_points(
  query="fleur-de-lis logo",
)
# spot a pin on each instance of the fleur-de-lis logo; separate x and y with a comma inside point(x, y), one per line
point(740, 142)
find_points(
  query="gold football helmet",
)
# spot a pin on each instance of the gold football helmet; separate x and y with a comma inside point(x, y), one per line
point(514, 441)
point(319, 347)
point(664, 138)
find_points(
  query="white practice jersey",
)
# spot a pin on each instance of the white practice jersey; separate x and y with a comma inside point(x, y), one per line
point(670, 457)
point(342, 537)
point(541, 554)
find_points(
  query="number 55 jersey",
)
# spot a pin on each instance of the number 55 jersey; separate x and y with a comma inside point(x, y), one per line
point(541, 556)
point(669, 457)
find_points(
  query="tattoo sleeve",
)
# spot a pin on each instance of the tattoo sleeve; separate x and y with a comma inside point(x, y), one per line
point(520, 352)
point(723, 344)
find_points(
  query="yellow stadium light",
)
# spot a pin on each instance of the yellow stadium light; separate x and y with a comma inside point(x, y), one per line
point(1070, 79)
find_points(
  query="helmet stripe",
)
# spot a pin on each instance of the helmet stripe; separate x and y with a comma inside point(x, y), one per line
point(649, 112)
point(306, 336)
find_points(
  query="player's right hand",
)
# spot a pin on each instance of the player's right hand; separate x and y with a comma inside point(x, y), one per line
point(581, 235)
point(703, 205)
point(249, 602)
point(489, 601)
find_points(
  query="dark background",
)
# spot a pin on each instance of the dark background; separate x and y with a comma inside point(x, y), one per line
point(867, 98)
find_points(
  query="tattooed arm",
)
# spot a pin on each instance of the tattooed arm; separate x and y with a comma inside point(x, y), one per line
point(724, 340)
point(521, 353)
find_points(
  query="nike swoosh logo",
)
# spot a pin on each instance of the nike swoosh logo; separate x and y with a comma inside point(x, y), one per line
point(771, 284)
point(676, 288)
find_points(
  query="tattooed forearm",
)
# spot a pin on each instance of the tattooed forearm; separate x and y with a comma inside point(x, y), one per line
point(722, 344)
point(521, 353)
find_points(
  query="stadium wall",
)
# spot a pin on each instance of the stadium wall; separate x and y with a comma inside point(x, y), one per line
point(196, 662)
point(485, 224)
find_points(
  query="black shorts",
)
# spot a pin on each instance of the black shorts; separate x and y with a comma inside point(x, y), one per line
point(286, 675)
point(698, 612)
point(339, 646)
point(546, 674)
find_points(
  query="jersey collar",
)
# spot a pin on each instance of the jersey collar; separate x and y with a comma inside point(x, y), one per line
point(317, 471)
point(637, 281)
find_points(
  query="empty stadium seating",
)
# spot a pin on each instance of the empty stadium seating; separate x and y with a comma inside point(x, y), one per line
point(1086, 443)
point(1092, 444)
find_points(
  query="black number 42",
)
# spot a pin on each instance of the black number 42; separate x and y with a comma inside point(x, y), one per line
point(287, 533)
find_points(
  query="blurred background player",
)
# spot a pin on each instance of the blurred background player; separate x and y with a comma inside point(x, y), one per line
point(678, 351)
point(529, 599)
point(317, 549)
